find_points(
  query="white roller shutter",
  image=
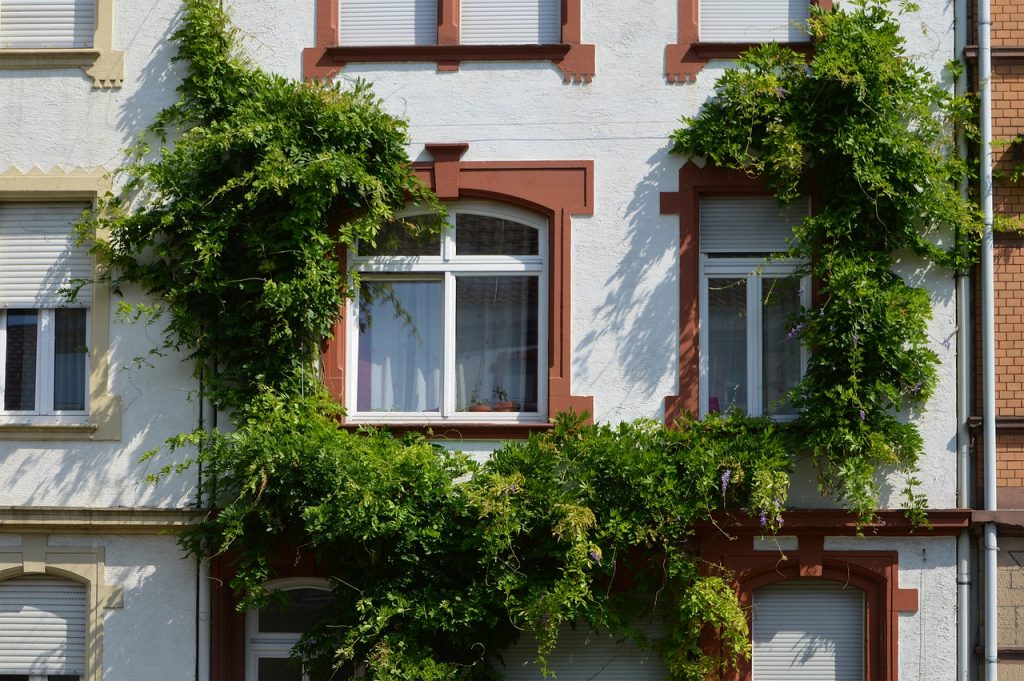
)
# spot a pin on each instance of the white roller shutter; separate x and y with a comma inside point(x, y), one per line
point(511, 22)
point(387, 22)
point(753, 21)
point(808, 630)
point(47, 23)
point(42, 626)
point(582, 654)
point(38, 254)
point(747, 224)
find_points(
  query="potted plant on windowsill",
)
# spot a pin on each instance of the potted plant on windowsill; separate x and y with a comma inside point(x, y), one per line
point(475, 403)
point(501, 401)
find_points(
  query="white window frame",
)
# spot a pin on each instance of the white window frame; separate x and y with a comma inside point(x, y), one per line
point(274, 645)
point(755, 270)
point(45, 360)
point(445, 267)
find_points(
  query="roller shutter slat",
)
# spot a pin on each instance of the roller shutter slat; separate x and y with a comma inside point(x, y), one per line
point(38, 255)
point(751, 21)
point(47, 23)
point(511, 22)
point(42, 626)
point(747, 224)
point(387, 22)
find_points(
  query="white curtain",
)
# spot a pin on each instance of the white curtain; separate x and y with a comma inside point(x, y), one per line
point(727, 344)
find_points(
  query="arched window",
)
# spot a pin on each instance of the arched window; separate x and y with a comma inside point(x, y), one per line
point(451, 323)
point(272, 631)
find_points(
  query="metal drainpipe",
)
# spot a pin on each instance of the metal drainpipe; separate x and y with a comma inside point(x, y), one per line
point(988, 340)
point(964, 643)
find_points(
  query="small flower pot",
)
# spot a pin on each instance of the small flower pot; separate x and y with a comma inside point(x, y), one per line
point(479, 407)
point(506, 406)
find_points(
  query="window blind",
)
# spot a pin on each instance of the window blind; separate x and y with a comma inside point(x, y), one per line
point(511, 22)
point(47, 23)
point(387, 22)
point(42, 626)
point(747, 224)
point(38, 255)
point(807, 630)
point(752, 21)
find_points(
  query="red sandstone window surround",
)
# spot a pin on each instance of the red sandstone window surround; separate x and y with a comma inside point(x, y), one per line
point(685, 58)
point(555, 190)
point(574, 59)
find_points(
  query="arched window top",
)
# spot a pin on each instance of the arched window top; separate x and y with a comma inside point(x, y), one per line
point(304, 603)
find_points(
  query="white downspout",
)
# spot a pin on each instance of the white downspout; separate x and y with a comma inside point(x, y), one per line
point(964, 630)
point(988, 340)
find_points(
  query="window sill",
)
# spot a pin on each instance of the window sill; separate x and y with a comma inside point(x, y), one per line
point(105, 67)
point(464, 430)
point(102, 424)
point(575, 61)
point(683, 61)
point(47, 431)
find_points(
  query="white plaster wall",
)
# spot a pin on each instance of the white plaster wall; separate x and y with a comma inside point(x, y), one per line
point(153, 636)
point(927, 638)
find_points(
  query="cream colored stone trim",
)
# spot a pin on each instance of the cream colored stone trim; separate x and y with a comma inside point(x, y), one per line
point(96, 520)
point(79, 564)
point(104, 421)
point(101, 62)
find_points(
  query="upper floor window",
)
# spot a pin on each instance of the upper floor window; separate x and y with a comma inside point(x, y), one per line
point(482, 22)
point(750, 356)
point(44, 363)
point(753, 21)
point(452, 323)
point(47, 23)
point(274, 630)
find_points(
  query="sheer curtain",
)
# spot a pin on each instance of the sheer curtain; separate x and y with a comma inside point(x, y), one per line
point(727, 344)
point(69, 355)
point(496, 343)
point(780, 301)
point(400, 346)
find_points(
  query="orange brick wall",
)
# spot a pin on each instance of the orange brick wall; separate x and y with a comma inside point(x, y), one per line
point(1007, 123)
point(1007, 22)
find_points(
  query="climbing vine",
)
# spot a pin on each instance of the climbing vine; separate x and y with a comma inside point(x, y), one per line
point(234, 207)
point(871, 132)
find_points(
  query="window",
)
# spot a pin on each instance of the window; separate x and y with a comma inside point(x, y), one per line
point(452, 324)
point(449, 32)
point(750, 357)
point(61, 33)
point(275, 629)
point(43, 621)
point(722, 29)
point(44, 364)
point(47, 23)
point(808, 629)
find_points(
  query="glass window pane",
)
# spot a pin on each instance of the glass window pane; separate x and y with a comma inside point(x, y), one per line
point(69, 355)
point(496, 343)
point(416, 235)
point(278, 669)
point(20, 366)
point(302, 609)
point(483, 235)
point(727, 344)
point(400, 346)
point(780, 300)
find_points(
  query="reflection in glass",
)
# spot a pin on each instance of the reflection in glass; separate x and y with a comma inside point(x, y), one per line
point(496, 343)
point(279, 669)
point(727, 344)
point(483, 235)
point(69, 355)
point(416, 235)
point(780, 301)
point(301, 609)
point(20, 360)
point(400, 345)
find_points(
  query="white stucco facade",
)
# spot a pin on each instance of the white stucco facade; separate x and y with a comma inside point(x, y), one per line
point(624, 287)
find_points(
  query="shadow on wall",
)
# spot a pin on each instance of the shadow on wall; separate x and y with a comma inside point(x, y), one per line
point(642, 320)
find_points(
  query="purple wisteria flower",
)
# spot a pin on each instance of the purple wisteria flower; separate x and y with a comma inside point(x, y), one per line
point(856, 339)
point(917, 387)
point(764, 518)
point(795, 331)
point(781, 91)
point(863, 415)
point(595, 555)
point(726, 476)
point(949, 339)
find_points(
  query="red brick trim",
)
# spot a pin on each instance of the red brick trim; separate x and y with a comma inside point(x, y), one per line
point(556, 189)
point(685, 58)
point(876, 573)
point(325, 60)
point(695, 182)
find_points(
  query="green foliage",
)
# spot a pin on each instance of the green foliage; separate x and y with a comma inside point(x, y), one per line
point(875, 133)
point(440, 563)
point(239, 221)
